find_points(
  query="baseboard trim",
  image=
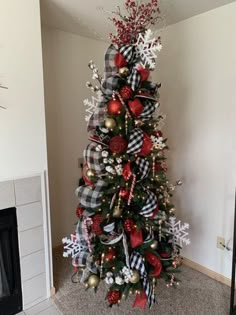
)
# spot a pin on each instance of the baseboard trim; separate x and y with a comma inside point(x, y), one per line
point(210, 273)
point(52, 291)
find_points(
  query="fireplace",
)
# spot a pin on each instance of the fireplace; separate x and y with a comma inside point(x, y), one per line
point(10, 279)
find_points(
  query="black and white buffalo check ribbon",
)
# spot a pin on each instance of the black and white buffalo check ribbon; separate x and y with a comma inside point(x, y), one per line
point(90, 196)
point(150, 204)
point(136, 262)
point(94, 158)
point(135, 141)
point(149, 109)
point(111, 78)
point(84, 257)
point(143, 166)
point(134, 79)
point(128, 52)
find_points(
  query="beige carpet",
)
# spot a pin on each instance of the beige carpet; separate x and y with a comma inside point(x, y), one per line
point(196, 295)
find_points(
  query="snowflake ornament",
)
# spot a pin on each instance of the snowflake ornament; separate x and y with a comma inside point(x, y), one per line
point(119, 280)
point(73, 246)
point(158, 142)
point(91, 106)
point(178, 230)
point(146, 48)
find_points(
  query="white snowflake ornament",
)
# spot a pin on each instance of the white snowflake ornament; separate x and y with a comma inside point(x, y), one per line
point(178, 230)
point(73, 246)
point(91, 106)
point(146, 48)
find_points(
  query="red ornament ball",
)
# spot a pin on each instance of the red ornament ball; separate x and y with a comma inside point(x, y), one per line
point(114, 107)
point(136, 107)
point(118, 144)
point(126, 92)
point(129, 225)
point(95, 227)
point(147, 145)
point(110, 254)
point(79, 212)
point(113, 297)
point(120, 60)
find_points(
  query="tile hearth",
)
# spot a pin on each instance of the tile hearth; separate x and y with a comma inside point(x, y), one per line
point(26, 195)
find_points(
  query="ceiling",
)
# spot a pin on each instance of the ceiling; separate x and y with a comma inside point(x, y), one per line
point(90, 17)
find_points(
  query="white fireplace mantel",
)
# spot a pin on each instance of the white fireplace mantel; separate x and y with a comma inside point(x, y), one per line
point(28, 195)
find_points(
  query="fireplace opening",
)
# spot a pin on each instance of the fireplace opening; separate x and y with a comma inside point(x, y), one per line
point(10, 280)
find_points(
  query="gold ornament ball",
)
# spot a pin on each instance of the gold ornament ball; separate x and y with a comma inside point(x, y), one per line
point(110, 123)
point(117, 212)
point(154, 244)
point(124, 71)
point(135, 277)
point(93, 281)
point(89, 173)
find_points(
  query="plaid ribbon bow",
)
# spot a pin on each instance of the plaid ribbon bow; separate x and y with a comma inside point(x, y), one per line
point(136, 262)
point(150, 205)
point(135, 141)
point(111, 80)
point(149, 109)
point(90, 196)
point(143, 166)
point(84, 257)
point(129, 53)
point(94, 158)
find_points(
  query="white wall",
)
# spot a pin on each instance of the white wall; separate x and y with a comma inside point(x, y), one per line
point(197, 69)
point(66, 57)
point(22, 124)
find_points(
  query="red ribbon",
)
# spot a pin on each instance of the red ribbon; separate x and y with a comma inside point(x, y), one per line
point(136, 238)
point(155, 262)
point(140, 300)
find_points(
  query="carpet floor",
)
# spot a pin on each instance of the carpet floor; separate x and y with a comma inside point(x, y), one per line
point(196, 295)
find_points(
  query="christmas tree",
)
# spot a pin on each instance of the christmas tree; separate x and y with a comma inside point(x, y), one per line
point(127, 233)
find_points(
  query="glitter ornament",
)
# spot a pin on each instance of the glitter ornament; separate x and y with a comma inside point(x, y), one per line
point(114, 107)
point(113, 297)
point(95, 227)
point(126, 92)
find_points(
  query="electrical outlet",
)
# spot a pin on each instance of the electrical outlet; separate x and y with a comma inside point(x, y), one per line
point(220, 243)
point(80, 161)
